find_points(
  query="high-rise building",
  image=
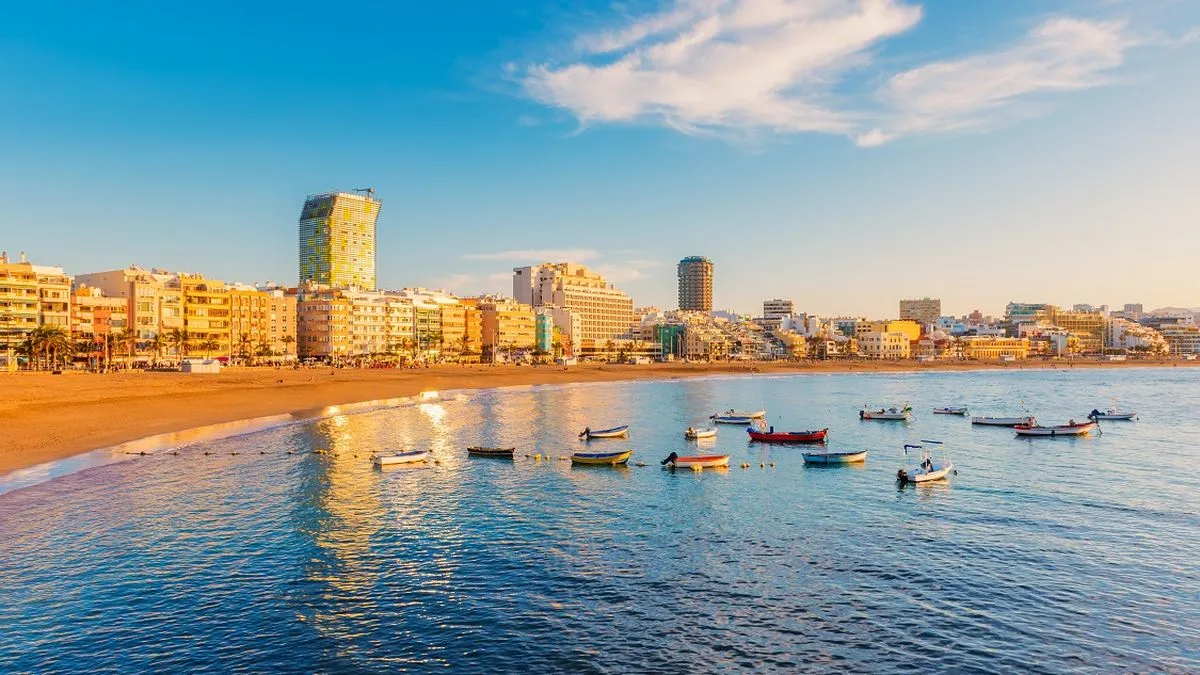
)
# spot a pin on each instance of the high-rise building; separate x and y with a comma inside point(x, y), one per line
point(695, 284)
point(778, 308)
point(337, 239)
point(604, 312)
point(924, 311)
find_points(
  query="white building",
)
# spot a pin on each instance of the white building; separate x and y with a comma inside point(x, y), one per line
point(605, 313)
point(778, 308)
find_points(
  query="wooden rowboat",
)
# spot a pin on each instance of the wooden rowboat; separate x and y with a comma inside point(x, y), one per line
point(835, 456)
point(755, 414)
point(1002, 421)
point(1111, 415)
point(479, 451)
point(615, 432)
point(601, 458)
point(773, 436)
point(950, 411)
point(410, 457)
point(892, 413)
point(674, 461)
point(694, 434)
point(732, 419)
point(1070, 429)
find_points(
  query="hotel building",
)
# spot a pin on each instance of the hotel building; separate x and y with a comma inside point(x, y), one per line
point(695, 284)
point(31, 296)
point(337, 240)
point(605, 313)
point(506, 325)
point(884, 345)
point(991, 348)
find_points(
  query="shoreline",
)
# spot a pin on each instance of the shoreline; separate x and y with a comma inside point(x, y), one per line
point(44, 417)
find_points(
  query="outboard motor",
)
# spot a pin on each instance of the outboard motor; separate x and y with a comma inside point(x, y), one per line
point(670, 459)
point(861, 414)
point(902, 476)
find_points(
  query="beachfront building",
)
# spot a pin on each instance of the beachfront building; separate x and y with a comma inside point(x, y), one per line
point(924, 311)
point(695, 284)
point(885, 345)
point(155, 310)
point(605, 313)
point(990, 348)
point(19, 305)
point(543, 341)
point(337, 239)
point(705, 343)
point(507, 325)
point(1126, 335)
point(779, 308)
point(207, 313)
point(322, 325)
point(262, 321)
point(1089, 326)
point(911, 329)
point(94, 316)
point(1179, 332)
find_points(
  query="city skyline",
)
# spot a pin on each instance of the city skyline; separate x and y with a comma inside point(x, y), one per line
point(192, 150)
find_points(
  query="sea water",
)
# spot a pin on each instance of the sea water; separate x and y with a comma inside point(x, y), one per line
point(1040, 555)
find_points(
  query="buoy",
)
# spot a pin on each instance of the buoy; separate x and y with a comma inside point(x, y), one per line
point(262, 452)
point(761, 465)
point(206, 452)
point(697, 468)
point(641, 464)
point(289, 452)
point(772, 465)
point(526, 456)
point(233, 453)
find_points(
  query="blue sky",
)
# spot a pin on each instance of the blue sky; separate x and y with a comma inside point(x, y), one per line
point(841, 153)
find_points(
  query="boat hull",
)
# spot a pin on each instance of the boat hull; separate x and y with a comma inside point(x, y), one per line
point(1069, 430)
point(940, 471)
point(701, 461)
point(615, 432)
point(1124, 417)
point(950, 411)
point(601, 458)
point(402, 458)
point(700, 433)
point(506, 453)
point(788, 436)
point(1001, 421)
point(835, 457)
point(886, 416)
point(722, 419)
point(753, 414)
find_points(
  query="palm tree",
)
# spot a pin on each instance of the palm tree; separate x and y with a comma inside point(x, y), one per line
point(179, 339)
point(54, 342)
point(244, 346)
point(288, 340)
point(209, 345)
point(125, 341)
point(157, 345)
point(263, 348)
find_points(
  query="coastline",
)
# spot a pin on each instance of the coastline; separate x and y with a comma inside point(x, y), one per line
point(46, 417)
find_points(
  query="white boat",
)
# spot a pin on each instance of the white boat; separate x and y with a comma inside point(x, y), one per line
point(755, 414)
point(410, 457)
point(950, 411)
point(892, 413)
point(674, 461)
point(695, 434)
point(730, 419)
point(928, 470)
point(1002, 421)
point(1111, 414)
point(615, 432)
point(1071, 428)
point(835, 456)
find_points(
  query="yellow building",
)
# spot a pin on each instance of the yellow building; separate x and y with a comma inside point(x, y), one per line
point(989, 348)
point(322, 326)
point(207, 314)
point(604, 312)
point(94, 315)
point(506, 325)
point(884, 345)
point(262, 322)
point(154, 309)
point(337, 240)
point(911, 329)
point(19, 304)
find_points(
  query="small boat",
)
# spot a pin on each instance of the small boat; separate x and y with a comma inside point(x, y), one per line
point(892, 413)
point(1071, 428)
point(950, 411)
point(835, 456)
point(615, 432)
point(732, 419)
point(479, 451)
point(1111, 415)
point(772, 436)
point(928, 470)
point(1002, 421)
point(695, 434)
point(410, 457)
point(674, 461)
point(601, 458)
point(756, 414)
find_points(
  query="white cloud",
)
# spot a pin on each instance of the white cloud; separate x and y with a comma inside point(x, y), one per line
point(724, 65)
point(535, 255)
point(452, 282)
point(738, 67)
point(978, 91)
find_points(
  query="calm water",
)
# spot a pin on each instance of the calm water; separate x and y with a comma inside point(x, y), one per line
point(1043, 555)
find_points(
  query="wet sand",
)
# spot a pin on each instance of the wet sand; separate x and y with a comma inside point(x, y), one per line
point(45, 417)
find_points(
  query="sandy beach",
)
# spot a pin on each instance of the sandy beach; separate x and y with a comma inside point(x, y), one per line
point(44, 417)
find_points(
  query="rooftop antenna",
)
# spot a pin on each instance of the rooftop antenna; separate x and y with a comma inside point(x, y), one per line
point(369, 191)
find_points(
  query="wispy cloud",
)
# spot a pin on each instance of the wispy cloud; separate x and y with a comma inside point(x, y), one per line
point(535, 255)
point(979, 91)
point(453, 282)
point(746, 67)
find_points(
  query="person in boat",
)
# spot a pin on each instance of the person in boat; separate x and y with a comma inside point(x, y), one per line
point(691, 431)
point(587, 431)
point(927, 465)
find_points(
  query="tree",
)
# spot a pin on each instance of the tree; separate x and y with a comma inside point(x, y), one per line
point(179, 339)
point(125, 342)
point(209, 345)
point(288, 340)
point(244, 346)
point(157, 345)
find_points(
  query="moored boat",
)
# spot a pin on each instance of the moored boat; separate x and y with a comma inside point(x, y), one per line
point(755, 414)
point(1071, 428)
point(1111, 414)
point(892, 413)
point(731, 419)
point(674, 461)
point(950, 411)
point(614, 432)
point(1003, 421)
point(772, 436)
point(834, 456)
point(693, 434)
point(601, 458)
point(480, 451)
point(409, 457)
point(928, 470)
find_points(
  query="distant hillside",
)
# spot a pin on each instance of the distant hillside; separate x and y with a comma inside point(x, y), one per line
point(1174, 310)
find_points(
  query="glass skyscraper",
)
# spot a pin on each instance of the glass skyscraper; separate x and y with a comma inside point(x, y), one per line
point(337, 239)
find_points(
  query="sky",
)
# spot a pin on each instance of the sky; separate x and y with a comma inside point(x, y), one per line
point(842, 153)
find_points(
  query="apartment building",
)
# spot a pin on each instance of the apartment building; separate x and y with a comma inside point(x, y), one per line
point(991, 348)
point(506, 325)
point(605, 313)
point(95, 315)
point(924, 311)
point(695, 284)
point(19, 302)
point(884, 345)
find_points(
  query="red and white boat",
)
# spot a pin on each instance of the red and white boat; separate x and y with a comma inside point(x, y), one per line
point(674, 461)
point(1072, 428)
point(772, 436)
